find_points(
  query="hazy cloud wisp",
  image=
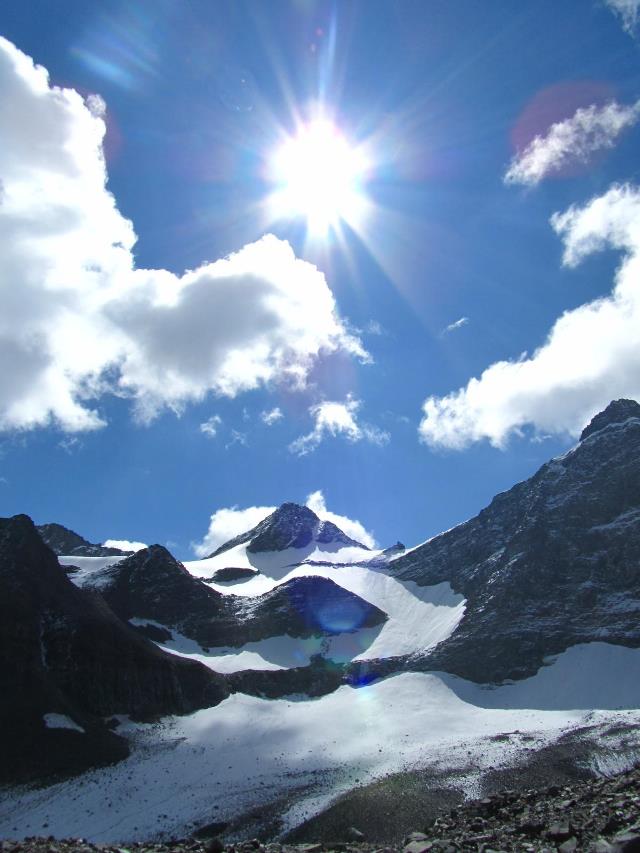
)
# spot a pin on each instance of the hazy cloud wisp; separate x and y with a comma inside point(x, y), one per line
point(628, 12)
point(337, 419)
point(574, 139)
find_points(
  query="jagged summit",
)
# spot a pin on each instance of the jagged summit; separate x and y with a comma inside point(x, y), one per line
point(617, 412)
point(289, 526)
point(63, 541)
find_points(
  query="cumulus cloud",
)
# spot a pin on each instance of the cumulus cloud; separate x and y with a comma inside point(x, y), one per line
point(124, 544)
point(591, 129)
point(337, 419)
point(458, 324)
point(229, 522)
point(78, 320)
point(628, 12)
point(272, 416)
point(591, 356)
point(210, 427)
point(353, 528)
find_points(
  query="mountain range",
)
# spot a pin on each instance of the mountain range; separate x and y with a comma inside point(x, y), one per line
point(97, 644)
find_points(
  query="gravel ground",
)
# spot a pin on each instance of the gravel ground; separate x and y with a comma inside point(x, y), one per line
point(593, 815)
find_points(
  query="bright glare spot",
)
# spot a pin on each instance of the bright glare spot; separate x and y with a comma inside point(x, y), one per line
point(319, 176)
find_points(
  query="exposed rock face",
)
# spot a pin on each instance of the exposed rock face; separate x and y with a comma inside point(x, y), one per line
point(319, 678)
point(153, 585)
point(617, 412)
point(234, 573)
point(550, 563)
point(63, 541)
point(290, 526)
point(398, 548)
point(64, 652)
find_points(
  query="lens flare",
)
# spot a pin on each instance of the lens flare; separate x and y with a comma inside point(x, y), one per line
point(319, 176)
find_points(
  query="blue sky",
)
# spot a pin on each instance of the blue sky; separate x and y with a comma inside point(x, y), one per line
point(502, 216)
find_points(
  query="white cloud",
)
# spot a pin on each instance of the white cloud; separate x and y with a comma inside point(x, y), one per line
point(373, 327)
point(628, 11)
point(272, 416)
point(70, 445)
point(237, 437)
point(337, 419)
point(77, 320)
point(591, 356)
point(229, 522)
point(124, 544)
point(457, 325)
point(210, 427)
point(351, 527)
point(574, 139)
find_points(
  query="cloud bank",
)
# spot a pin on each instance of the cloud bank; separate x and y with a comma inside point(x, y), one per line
point(229, 522)
point(78, 320)
point(337, 419)
point(573, 140)
point(591, 356)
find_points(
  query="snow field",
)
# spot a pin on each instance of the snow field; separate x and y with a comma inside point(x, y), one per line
point(219, 762)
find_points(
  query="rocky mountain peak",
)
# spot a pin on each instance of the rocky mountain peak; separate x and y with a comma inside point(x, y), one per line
point(549, 564)
point(617, 412)
point(63, 541)
point(295, 526)
point(291, 525)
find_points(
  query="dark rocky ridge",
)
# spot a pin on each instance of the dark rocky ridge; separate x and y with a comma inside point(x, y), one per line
point(151, 584)
point(62, 650)
point(289, 526)
point(65, 542)
point(550, 563)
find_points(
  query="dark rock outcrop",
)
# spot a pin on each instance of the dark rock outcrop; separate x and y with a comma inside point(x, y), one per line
point(153, 585)
point(233, 573)
point(65, 542)
point(617, 412)
point(320, 677)
point(289, 526)
point(553, 562)
point(64, 652)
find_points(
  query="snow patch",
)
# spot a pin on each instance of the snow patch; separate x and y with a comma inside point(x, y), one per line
point(88, 568)
point(61, 721)
point(587, 675)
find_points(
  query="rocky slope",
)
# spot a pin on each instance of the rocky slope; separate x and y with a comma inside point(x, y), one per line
point(153, 585)
point(67, 662)
point(548, 564)
point(595, 816)
point(61, 540)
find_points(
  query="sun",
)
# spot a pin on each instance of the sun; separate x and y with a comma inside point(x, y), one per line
point(319, 175)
